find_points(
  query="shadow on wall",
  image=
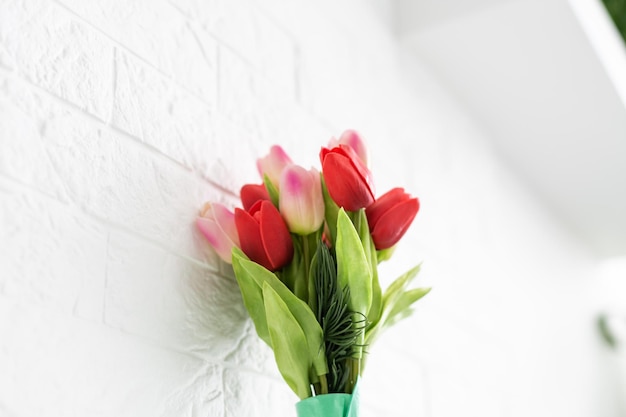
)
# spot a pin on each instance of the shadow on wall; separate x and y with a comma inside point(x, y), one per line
point(216, 318)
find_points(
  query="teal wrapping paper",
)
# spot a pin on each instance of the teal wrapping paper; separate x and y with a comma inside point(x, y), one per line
point(330, 405)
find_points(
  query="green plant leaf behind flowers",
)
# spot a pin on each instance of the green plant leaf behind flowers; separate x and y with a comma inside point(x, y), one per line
point(289, 343)
point(353, 269)
point(271, 190)
point(294, 275)
point(397, 287)
point(402, 307)
point(361, 225)
point(385, 254)
point(258, 275)
point(331, 209)
point(391, 297)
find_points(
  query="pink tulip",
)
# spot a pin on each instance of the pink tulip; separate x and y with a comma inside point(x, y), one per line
point(352, 139)
point(217, 224)
point(301, 202)
point(273, 164)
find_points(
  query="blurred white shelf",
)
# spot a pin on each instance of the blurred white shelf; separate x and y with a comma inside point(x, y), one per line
point(547, 79)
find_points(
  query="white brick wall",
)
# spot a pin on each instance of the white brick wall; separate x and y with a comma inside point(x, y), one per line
point(119, 119)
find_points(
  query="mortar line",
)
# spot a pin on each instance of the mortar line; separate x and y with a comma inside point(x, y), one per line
point(100, 123)
point(77, 210)
point(294, 101)
point(136, 55)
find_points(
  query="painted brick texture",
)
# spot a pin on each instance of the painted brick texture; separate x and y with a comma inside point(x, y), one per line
point(119, 119)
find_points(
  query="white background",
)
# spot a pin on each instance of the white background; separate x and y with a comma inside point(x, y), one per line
point(119, 119)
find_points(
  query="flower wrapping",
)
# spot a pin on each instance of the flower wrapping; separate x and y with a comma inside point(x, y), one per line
point(330, 405)
point(305, 249)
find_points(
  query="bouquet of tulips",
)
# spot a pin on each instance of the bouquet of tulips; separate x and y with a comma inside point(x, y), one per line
point(305, 250)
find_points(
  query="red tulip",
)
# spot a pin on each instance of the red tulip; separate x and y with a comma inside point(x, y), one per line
point(348, 180)
point(217, 224)
point(390, 217)
point(264, 236)
point(251, 193)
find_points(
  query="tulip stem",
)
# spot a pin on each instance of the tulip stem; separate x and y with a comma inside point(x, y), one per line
point(307, 258)
point(324, 384)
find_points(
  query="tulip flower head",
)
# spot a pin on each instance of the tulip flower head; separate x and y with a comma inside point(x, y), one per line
point(251, 193)
point(264, 236)
point(348, 180)
point(352, 139)
point(390, 217)
point(301, 201)
point(273, 164)
point(217, 224)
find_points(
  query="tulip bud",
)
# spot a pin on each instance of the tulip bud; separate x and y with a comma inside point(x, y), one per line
point(217, 224)
point(264, 236)
point(348, 180)
point(352, 139)
point(301, 201)
point(390, 217)
point(251, 193)
point(273, 164)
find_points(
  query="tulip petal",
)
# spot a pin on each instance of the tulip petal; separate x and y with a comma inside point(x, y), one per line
point(275, 237)
point(251, 193)
point(384, 203)
point(273, 164)
point(347, 188)
point(394, 223)
point(213, 233)
point(360, 166)
point(301, 202)
point(353, 140)
point(250, 238)
point(225, 219)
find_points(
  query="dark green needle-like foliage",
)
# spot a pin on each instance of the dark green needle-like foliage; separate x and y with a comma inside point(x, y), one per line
point(341, 331)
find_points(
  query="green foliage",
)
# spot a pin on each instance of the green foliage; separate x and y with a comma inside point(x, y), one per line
point(396, 303)
point(360, 224)
point(341, 332)
point(320, 311)
point(271, 190)
point(353, 269)
point(617, 10)
point(289, 343)
point(331, 210)
point(252, 277)
point(252, 295)
point(401, 308)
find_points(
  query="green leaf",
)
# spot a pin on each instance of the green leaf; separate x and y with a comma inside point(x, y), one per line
point(298, 308)
point(331, 209)
point(312, 289)
point(391, 296)
point(375, 310)
point(397, 287)
point(294, 275)
point(252, 295)
point(385, 254)
point(271, 190)
point(401, 307)
point(289, 342)
point(353, 268)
